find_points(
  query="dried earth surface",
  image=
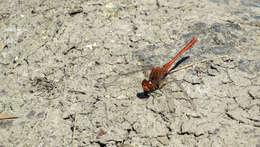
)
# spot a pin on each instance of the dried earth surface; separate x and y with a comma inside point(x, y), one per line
point(67, 71)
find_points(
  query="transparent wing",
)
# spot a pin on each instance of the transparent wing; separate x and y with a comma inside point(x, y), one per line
point(127, 80)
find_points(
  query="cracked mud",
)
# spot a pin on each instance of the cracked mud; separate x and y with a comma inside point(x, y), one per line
point(71, 72)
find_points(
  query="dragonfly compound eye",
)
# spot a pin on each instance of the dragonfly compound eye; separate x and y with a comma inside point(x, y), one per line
point(145, 85)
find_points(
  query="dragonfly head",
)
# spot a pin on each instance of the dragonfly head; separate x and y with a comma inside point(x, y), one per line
point(147, 85)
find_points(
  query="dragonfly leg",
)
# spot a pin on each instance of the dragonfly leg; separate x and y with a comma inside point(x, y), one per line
point(162, 84)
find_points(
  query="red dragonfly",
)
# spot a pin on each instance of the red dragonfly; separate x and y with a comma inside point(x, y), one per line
point(158, 74)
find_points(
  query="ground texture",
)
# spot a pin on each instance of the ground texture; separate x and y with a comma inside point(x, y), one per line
point(63, 68)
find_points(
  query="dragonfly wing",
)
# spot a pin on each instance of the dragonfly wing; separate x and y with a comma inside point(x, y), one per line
point(123, 78)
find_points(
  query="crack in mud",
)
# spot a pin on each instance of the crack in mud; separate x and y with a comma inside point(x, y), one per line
point(181, 132)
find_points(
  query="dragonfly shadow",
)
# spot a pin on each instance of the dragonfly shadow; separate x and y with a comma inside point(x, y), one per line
point(179, 62)
point(142, 95)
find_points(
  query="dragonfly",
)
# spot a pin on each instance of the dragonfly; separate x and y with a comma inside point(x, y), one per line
point(158, 74)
